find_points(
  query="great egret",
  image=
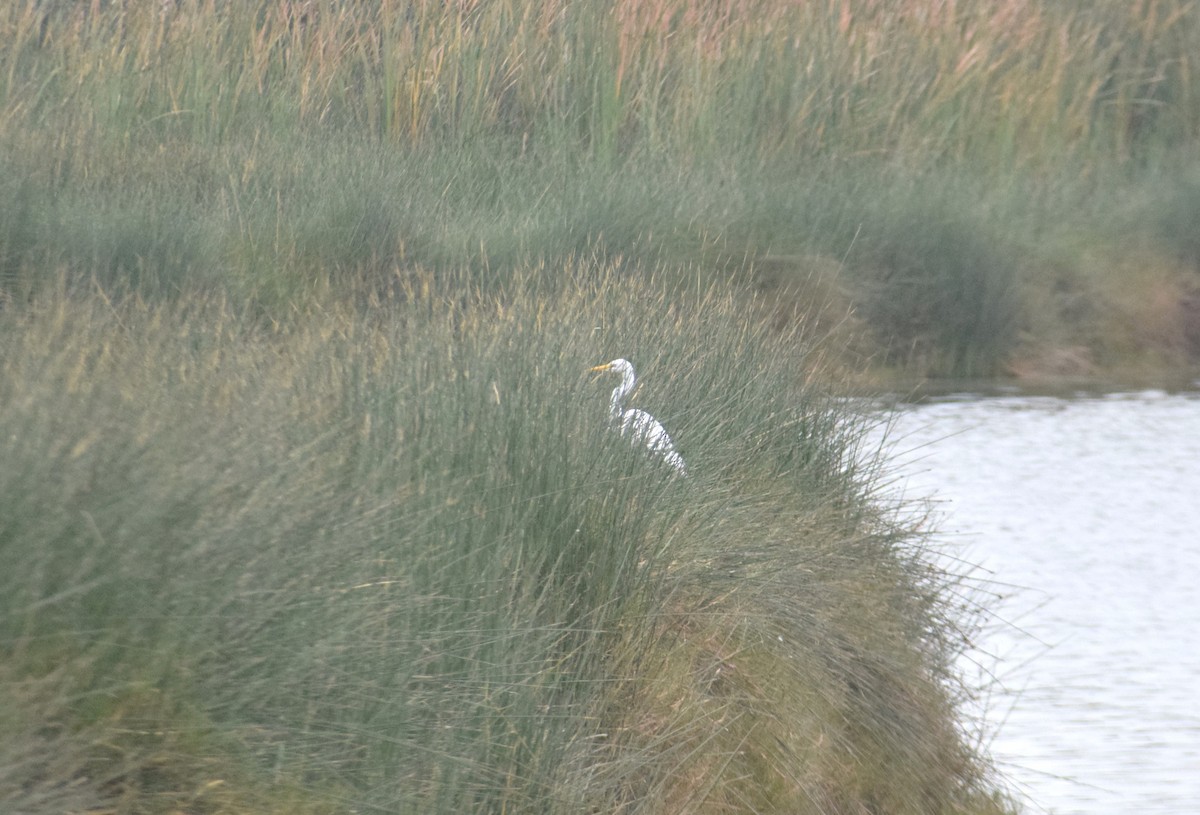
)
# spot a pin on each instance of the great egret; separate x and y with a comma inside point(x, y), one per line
point(639, 425)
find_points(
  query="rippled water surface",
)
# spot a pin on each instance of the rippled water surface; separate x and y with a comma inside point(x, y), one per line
point(1085, 514)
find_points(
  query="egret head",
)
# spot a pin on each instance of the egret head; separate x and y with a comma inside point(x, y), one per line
point(619, 366)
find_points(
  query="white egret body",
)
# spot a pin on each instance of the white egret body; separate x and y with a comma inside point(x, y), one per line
point(639, 425)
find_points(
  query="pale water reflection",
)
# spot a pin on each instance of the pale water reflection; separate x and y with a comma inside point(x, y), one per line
point(1089, 509)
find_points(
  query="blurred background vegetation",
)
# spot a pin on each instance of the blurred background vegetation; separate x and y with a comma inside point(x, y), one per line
point(989, 184)
point(302, 478)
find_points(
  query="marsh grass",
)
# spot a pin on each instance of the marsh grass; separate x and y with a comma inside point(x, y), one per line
point(1173, 211)
point(310, 504)
point(853, 77)
point(943, 280)
point(388, 557)
point(255, 148)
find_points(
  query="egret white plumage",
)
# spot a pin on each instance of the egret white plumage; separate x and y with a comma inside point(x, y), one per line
point(639, 425)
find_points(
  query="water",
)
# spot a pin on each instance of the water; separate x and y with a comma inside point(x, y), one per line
point(1084, 515)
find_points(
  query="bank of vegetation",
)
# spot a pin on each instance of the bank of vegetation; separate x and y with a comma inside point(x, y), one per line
point(307, 504)
point(391, 559)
